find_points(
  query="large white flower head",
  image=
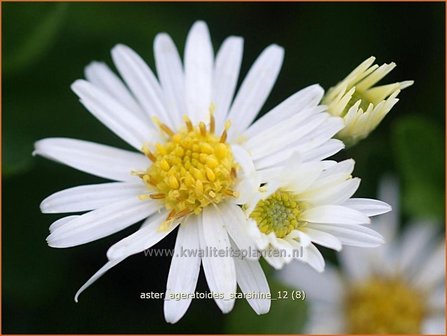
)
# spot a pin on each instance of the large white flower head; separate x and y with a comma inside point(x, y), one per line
point(361, 104)
point(307, 203)
point(398, 288)
point(198, 153)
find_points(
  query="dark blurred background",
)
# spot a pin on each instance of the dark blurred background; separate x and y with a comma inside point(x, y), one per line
point(46, 47)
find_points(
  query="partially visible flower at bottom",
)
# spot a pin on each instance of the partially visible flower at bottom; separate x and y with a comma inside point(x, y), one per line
point(307, 203)
point(395, 289)
point(361, 104)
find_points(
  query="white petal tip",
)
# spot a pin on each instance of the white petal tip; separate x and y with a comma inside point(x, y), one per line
point(262, 309)
point(119, 46)
point(55, 244)
point(226, 310)
point(276, 48)
point(226, 306)
point(79, 292)
point(351, 163)
point(43, 207)
point(162, 38)
point(173, 312)
point(118, 49)
point(172, 319)
point(51, 244)
point(95, 64)
point(317, 89)
point(114, 254)
point(200, 24)
point(235, 39)
point(169, 321)
point(77, 85)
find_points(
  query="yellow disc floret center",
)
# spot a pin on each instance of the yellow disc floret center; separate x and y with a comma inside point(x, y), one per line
point(191, 170)
point(384, 306)
point(279, 213)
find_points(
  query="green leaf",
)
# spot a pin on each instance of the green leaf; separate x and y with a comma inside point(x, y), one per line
point(29, 31)
point(285, 316)
point(419, 150)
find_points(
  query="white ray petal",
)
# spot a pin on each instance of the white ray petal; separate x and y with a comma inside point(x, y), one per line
point(255, 88)
point(300, 177)
point(247, 184)
point(226, 73)
point(198, 71)
point(334, 214)
point(243, 159)
point(171, 76)
point(323, 238)
point(142, 82)
point(336, 173)
point(277, 130)
point(110, 264)
point(220, 271)
point(113, 262)
point(313, 257)
point(90, 197)
point(61, 222)
point(184, 270)
point(287, 133)
point(100, 160)
point(315, 148)
point(369, 207)
point(236, 224)
point(150, 233)
point(295, 104)
point(320, 135)
point(102, 76)
point(114, 115)
point(352, 235)
point(276, 262)
point(251, 279)
point(102, 222)
point(334, 194)
point(324, 151)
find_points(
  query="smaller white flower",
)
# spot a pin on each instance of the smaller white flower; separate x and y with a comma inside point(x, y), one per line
point(310, 202)
point(361, 104)
point(398, 288)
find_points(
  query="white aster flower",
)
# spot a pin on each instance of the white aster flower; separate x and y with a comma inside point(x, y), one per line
point(192, 168)
point(304, 203)
point(361, 104)
point(398, 288)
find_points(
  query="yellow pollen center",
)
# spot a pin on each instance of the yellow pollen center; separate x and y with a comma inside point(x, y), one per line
point(384, 306)
point(279, 213)
point(191, 170)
